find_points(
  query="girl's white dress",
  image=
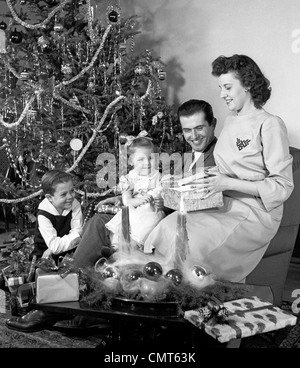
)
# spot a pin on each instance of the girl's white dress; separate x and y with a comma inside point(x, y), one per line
point(231, 240)
point(144, 218)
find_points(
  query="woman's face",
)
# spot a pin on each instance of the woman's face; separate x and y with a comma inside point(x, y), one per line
point(236, 96)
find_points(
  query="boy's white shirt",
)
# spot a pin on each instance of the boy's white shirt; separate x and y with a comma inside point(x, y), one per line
point(55, 243)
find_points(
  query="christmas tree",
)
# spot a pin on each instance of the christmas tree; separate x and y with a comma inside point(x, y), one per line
point(72, 86)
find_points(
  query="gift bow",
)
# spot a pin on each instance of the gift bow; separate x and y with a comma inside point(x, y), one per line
point(64, 267)
point(214, 311)
point(131, 138)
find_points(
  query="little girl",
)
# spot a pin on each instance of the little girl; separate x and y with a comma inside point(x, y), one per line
point(139, 188)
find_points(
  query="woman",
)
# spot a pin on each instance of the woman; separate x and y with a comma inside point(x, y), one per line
point(255, 176)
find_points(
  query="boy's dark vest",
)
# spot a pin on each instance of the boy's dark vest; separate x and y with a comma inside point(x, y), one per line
point(62, 224)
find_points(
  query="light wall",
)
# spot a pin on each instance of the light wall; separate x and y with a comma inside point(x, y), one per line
point(190, 34)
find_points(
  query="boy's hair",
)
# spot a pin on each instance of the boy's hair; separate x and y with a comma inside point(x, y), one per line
point(52, 178)
point(140, 142)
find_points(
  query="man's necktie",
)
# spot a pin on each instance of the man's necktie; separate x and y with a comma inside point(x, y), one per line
point(194, 165)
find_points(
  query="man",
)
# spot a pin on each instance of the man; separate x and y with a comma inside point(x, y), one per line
point(198, 126)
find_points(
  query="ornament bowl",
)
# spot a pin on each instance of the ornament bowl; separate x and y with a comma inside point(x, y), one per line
point(145, 308)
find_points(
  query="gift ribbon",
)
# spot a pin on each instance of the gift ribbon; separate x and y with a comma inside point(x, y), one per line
point(64, 267)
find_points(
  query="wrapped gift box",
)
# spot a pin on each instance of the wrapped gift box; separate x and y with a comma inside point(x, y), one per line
point(247, 317)
point(52, 288)
point(25, 293)
point(195, 197)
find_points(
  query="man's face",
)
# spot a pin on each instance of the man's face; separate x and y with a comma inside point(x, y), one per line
point(196, 130)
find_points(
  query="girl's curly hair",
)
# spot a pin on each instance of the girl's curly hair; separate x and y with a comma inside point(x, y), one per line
point(248, 73)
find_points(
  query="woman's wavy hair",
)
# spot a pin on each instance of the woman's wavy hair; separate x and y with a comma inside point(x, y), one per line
point(248, 73)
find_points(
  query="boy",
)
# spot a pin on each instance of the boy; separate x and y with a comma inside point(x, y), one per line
point(59, 217)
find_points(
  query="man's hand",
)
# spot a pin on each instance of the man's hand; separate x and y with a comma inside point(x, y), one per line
point(75, 242)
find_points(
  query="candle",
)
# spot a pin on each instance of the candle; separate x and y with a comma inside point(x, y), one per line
point(181, 242)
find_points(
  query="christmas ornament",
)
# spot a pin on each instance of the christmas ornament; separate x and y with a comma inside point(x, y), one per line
point(175, 276)
point(16, 37)
point(76, 144)
point(134, 275)
point(110, 272)
point(51, 3)
point(25, 75)
point(66, 69)
point(22, 2)
point(43, 42)
point(113, 16)
point(122, 48)
point(200, 272)
point(58, 27)
point(3, 25)
point(2, 42)
point(32, 113)
point(139, 70)
point(101, 264)
point(161, 75)
point(41, 170)
point(152, 271)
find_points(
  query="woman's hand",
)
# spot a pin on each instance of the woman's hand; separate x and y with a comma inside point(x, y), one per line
point(117, 201)
point(158, 203)
point(216, 182)
point(47, 253)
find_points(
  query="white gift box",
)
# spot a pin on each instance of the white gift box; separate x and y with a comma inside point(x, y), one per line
point(247, 317)
point(52, 288)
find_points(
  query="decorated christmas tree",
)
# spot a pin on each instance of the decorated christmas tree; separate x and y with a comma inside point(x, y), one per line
point(72, 86)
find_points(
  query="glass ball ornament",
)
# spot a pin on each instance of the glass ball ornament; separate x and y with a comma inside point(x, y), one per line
point(43, 42)
point(139, 70)
point(51, 3)
point(113, 16)
point(175, 276)
point(25, 75)
point(161, 75)
point(3, 25)
point(58, 27)
point(110, 272)
point(134, 275)
point(200, 272)
point(16, 37)
point(152, 271)
point(66, 69)
point(40, 171)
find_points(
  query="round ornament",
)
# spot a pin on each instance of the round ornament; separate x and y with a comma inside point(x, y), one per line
point(101, 264)
point(200, 272)
point(43, 42)
point(76, 144)
point(110, 272)
point(113, 16)
point(32, 113)
point(139, 70)
point(134, 275)
point(3, 25)
point(161, 75)
point(25, 75)
point(175, 276)
point(16, 37)
point(152, 271)
point(41, 170)
point(58, 27)
point(66, 69)
point(51, 3)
